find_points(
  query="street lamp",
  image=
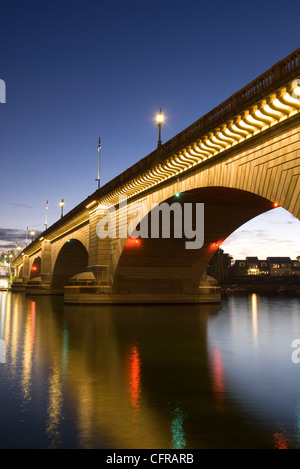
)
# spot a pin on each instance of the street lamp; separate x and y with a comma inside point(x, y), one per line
point(159, 120)
point(32, 233)
point(62, 207)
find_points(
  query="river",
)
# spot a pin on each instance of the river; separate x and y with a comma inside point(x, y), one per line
point(158, 377)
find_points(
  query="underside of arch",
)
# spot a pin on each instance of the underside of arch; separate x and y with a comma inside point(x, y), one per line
point(35, 268)
point(71, 260)
point(164, 266)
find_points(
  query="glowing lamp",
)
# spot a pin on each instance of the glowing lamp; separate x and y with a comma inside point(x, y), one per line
point(159, 120)
point(275, 204)
point(132, 242)
point(62, 203)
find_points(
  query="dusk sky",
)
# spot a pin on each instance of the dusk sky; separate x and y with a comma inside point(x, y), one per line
point(76, 70)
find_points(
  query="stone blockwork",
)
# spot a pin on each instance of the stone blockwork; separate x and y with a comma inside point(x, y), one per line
point(238, 161)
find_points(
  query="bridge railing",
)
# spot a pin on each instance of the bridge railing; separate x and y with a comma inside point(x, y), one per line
point(277, 76)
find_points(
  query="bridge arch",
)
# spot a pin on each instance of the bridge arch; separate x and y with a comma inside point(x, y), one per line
point(164, 265)
point(71, 260)
point(235, 187)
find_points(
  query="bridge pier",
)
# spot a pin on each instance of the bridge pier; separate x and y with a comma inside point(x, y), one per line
point(41, 283)
point(19, 285)
point(208, 292)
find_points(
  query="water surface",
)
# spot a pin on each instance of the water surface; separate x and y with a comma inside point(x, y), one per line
point(158, 377)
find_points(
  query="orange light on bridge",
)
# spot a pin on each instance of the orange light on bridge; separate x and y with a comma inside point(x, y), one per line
point(132, 242)
point(216, 244)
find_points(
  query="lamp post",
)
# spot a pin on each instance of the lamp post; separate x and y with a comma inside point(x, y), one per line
point(159, 120)
point(99, 148)
point(62, 203)
point(32, 233)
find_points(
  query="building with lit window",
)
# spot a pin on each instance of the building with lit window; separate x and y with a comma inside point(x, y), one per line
point(272, 266)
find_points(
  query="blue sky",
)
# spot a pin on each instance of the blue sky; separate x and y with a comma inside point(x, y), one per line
point(75, 70)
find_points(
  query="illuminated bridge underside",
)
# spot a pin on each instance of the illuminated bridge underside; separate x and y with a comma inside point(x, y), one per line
point(238, 160)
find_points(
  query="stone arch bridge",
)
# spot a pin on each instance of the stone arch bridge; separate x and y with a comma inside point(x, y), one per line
point(231, 165)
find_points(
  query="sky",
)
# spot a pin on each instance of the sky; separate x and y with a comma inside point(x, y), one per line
point(76, 70)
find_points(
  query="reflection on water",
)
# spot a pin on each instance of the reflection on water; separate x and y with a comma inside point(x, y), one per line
point(199, 376)
point(218, 378)
point(134, 376)
point(177, 430)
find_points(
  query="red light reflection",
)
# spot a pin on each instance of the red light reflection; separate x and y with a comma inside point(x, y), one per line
point(218, 377)
point(134, 377)
point(281, 440)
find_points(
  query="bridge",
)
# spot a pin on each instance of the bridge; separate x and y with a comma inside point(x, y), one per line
point(234, 163)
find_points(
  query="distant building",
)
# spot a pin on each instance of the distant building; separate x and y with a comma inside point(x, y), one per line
point(3, 271)
point(272, 266)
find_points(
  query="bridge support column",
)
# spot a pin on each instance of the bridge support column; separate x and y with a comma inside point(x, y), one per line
point(100, 258)
point(19, 285)
point(41, 285)
point(26, 271)
point(46, 263)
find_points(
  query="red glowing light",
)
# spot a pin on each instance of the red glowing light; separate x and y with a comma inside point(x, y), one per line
point(134, 378)
point(133, 242)
point(275, 204)
point(33, 267)
point(215, 245)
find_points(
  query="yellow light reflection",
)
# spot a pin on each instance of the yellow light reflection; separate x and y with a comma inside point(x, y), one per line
point(54, 408)
point(13, 330)
point(254, 316)
point(27, 351)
